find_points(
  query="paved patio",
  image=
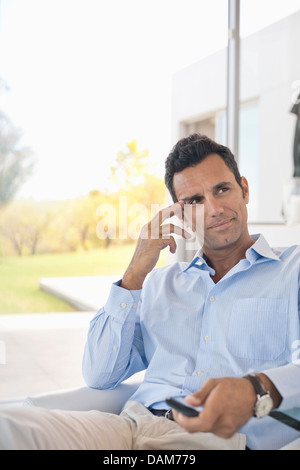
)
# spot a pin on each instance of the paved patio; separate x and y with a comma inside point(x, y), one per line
point(84, 293)
point(43, 352)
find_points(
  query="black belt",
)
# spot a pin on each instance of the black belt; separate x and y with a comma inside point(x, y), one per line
point(162, 413)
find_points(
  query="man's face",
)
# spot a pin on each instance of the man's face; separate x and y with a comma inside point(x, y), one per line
point(213, 184)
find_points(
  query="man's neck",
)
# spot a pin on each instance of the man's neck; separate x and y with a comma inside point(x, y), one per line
point(223, 260)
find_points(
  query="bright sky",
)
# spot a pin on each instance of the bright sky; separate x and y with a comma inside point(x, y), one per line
point(86, 77)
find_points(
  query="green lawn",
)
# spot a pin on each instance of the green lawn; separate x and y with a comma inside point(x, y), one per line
point(19, 276)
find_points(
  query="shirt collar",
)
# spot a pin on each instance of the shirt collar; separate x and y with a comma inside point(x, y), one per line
point(262, 248)
point(199, 261)
point(259, 249)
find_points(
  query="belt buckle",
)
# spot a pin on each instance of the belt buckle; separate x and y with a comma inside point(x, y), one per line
point(168, 414)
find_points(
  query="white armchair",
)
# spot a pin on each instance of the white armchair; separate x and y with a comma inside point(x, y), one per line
point(85, 398)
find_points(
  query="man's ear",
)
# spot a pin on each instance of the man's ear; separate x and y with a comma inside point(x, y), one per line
point(245, 187)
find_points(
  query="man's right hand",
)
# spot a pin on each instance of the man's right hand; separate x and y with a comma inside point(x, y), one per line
point(154, 237)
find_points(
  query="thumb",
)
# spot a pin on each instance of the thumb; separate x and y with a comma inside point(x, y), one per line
point(199, 397)
point(194, 400)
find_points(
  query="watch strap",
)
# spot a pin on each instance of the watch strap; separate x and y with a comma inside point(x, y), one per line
point(264, 403)
point(257, 384)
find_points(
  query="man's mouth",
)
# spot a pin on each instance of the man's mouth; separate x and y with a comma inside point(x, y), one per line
point(221, 225)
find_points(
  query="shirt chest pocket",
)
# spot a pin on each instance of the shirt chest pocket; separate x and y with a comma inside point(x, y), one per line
point(257, 328)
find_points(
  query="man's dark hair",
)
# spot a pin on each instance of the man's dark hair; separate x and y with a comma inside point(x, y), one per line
point(192, 150)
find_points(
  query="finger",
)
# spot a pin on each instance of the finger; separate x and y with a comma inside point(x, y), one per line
point(213, 408)
point(170, 211)
point(166, 229)
point(206, 421)
point(199, 397)
point(172, 245)
point(189, 424)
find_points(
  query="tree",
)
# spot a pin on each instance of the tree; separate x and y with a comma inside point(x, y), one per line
point(137, 188)
point(24, 223)
point(134, 175)
point(16, 162)
point(82, 218)
point(75, 222)
point(131, 167)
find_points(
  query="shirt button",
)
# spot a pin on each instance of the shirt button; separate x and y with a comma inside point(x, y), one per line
point(212, 298)
point(199, 372)
point(115, 348)
point(134, 304)
point(123, 304)
point(206, 338)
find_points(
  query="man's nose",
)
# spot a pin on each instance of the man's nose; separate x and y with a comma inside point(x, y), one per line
point(213, 207)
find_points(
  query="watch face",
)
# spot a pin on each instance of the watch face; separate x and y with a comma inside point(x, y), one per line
point(263, 406)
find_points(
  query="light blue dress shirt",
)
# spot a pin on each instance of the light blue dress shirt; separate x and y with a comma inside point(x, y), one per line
point(184, 329)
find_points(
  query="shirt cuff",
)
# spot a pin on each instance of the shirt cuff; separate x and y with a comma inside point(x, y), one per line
point(286, 379)
point(121, 302)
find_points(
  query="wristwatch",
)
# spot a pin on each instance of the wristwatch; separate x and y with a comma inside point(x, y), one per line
point(264, 403)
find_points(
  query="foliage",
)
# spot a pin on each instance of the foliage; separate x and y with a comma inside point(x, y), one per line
point(90, 222)
point(130, 167)
point(24, 223)
point(133, 171)
point(16, 162)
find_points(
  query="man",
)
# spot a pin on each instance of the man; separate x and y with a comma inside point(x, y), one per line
point(197, 328)
point(233, 311)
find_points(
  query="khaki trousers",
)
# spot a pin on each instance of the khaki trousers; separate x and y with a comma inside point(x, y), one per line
point(136, 428)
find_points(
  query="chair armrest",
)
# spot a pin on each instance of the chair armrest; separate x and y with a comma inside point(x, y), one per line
point(85, 399)
point(294, 445)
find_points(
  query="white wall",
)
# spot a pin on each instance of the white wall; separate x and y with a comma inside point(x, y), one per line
point(270, 66)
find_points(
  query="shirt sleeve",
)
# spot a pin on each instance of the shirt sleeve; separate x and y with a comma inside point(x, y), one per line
point(114, 347)
point(287, 379)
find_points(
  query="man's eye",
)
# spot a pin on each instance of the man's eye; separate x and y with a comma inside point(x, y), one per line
point(194, 201)
point(223, 190)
